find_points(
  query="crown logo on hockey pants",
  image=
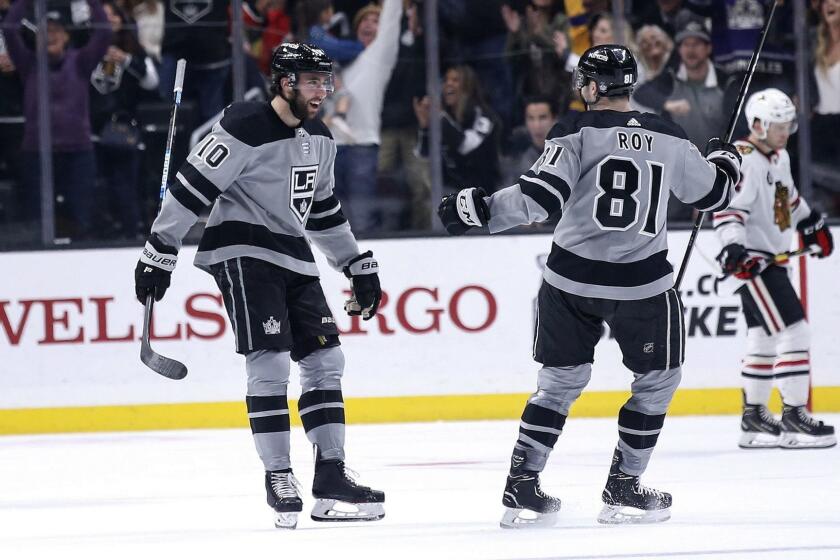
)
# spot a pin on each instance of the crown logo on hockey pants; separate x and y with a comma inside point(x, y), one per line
point(272, 326)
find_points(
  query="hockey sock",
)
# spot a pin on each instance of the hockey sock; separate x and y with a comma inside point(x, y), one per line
point(539, 429)
point(637, 433)
point(269, 419)
point(322, 414)
point(757, 378)
point(792, 371)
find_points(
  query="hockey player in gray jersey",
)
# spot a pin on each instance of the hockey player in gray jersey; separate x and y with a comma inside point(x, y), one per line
point(765, 213)
point(608, 174)
point(267, 171)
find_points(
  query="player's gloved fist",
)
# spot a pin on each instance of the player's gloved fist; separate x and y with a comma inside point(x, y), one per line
point(814, 232)
point(735, 260)
point(463, 210)
point(363, 272)
point(725, 155)
point(154, 269)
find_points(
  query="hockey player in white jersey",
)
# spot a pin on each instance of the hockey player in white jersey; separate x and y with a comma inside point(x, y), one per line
point(765, 212)
point(608, 174)
point(267, 171)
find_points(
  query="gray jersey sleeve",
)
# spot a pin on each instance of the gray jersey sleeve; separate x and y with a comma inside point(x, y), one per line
point(212, 166)
point(540, 192)
point(326, 225)
point(703, 186)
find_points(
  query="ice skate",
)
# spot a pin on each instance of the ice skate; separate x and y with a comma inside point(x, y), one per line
point(759, 429)
point(626, 500)
point(801, 431)
point(339, 498)
point(526, 505)
point(283, 495)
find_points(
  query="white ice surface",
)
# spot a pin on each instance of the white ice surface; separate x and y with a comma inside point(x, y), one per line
point(199, 495)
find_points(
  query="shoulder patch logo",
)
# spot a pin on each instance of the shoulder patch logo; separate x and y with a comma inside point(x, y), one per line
point(301, 189)
point(633, 122)
point(743, 149)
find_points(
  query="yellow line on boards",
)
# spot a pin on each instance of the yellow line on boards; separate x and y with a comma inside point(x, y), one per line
point(365, 410)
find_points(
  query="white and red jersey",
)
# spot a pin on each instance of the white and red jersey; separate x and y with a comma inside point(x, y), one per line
point(766, 207)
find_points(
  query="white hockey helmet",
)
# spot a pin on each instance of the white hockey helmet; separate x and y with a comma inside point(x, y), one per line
point(770, 106)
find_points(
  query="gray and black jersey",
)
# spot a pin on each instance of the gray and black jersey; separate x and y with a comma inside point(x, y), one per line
point(271, 187)
point(609, 175)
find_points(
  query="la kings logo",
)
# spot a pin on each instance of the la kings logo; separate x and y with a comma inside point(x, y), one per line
point(272, 326)
point(301, 188)
point(191, 10)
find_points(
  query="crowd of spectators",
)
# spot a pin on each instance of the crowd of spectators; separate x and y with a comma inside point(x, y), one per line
point(506, 75)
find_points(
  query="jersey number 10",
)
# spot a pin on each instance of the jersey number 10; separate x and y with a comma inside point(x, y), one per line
point(616, 205)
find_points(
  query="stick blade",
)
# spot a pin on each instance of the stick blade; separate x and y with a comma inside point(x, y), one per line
point(167, 367)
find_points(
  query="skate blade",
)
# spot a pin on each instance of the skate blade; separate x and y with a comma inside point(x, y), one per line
point(335, 510)
point(516, 518)
point(620, 515)
point(795, 440)
point(758, 440)
point(285, 520)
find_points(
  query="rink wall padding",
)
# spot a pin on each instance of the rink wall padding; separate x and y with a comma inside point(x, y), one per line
point(370, 410)
point(453, 340)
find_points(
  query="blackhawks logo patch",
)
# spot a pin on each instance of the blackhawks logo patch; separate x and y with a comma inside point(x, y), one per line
point(781, 206)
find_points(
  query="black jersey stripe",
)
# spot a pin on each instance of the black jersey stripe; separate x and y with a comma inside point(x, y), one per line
point(543, 438)
point(556, 182)
point(548, 201)
point(715, 201)
point(325, 205)
point(727, 222)
point(199, 182)
point(788, 374)
point(318, 396)
point(541, 416)
point(269, 424)
point(602, 273)
point(187, 199)
point(262, 404)
point(327, 222)
point(231, 233)
point(322, 417)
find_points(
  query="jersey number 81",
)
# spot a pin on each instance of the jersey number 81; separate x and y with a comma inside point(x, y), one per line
point(616, 206)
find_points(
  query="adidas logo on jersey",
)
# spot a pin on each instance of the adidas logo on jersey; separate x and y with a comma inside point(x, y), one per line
point(633, 122)
point(272, 327)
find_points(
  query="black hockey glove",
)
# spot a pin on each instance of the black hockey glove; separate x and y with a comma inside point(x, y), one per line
point(734, 260)
point(726, 157)
point(154, 269)
point(463, 210)
point(813, 231)
point(363, 272)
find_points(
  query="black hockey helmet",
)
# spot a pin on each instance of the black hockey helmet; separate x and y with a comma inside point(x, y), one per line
point(611, 67)
point(289, 59)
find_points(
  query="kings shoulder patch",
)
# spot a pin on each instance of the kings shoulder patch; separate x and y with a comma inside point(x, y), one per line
point(744, 149)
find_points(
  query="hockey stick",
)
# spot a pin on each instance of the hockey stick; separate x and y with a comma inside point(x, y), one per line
point(167, 367)
point(730, 130)
point(780, 259)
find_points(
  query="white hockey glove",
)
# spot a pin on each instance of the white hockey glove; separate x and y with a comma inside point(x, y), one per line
point(364, 281)
point(464, 210)
point(726, 157)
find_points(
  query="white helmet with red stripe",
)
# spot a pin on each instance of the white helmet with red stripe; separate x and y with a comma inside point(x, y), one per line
point(770, 106)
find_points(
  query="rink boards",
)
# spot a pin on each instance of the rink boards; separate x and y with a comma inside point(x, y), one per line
point(453, 340)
